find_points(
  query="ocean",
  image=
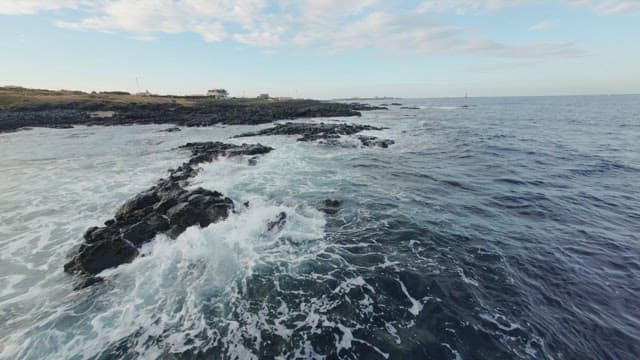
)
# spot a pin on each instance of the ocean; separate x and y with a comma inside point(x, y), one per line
point(508, 229)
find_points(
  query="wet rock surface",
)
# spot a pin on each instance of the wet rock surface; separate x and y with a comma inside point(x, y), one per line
point(166, 208)
point(327, 133)
point(331, 206)
point(278, 223)
point(374, 141)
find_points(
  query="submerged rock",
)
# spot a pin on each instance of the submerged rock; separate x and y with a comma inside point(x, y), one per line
point(166, 208)
point(331, 206)
point(87, 281)
point(278, 223)
point(374, 141)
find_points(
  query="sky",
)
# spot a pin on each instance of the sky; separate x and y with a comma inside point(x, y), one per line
point(324, 48)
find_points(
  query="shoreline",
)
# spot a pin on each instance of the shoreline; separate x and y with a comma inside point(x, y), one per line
point(31, 108)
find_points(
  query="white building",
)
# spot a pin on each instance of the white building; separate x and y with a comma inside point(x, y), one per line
point(218, 93)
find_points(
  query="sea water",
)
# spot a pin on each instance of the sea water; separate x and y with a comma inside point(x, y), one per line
point(504, 229)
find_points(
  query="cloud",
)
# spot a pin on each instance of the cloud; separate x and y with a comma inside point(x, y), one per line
point(145, 17)
point(541, 26)
point(467, 6)
point(412, 33)
point(389, 27)
point(609, 7)
point(28, 7)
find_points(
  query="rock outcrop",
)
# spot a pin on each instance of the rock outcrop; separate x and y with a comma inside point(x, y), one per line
point(166, 208)
point(327, 133)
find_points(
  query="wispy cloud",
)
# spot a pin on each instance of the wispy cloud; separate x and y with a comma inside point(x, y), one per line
point(503, 66)
point(27, 7)
point(541, 26)
point(320, 25)
point(609, 7)
point(467, 6)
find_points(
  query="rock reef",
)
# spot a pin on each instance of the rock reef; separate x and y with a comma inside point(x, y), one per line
point(322, 132)
point(166, 208)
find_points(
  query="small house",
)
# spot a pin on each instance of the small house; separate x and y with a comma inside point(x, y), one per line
point(218, 93)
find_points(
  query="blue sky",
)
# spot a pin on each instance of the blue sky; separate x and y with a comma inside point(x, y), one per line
point(324, 48)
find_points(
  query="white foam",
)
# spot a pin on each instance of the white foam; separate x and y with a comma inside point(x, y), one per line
point(416, 306)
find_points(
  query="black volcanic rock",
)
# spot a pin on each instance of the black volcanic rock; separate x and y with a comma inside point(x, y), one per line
point(278, 223)
point(374, 141)
point(166, 208)
point(203, 112)
point(312, 131)
point(331, 206)
point(327, 133)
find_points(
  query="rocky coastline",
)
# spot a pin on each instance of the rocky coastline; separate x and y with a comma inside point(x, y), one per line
point(166, 208)
point(200, 112)
point(169, 208)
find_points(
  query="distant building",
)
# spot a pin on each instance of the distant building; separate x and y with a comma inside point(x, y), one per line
point(263, 96)
point(144, 93)
point(218, 93)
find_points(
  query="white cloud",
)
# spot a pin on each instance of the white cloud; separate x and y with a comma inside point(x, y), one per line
point(264, 38)
point(27, 7)
point(541, 26)
point(145, 17)
point(609, 7)
point(418, 34)
point(390, 27)
point(467, 6)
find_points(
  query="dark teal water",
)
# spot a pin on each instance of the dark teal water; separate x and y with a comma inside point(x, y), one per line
point(505, 230)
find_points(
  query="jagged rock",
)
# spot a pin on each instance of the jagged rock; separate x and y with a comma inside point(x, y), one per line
point(87, 281)
point(374, 141)
point(312, 131)
point(95, 257)
point(139, 202)
point(324, 133)
point(278, 223)
point(200, 209)
point(166, 208)
point(145, 230)
point(209, 151)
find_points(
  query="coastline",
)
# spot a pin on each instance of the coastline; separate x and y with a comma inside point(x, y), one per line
point(26, 108)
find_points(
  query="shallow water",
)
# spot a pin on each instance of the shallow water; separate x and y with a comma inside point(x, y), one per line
point(505, 230)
